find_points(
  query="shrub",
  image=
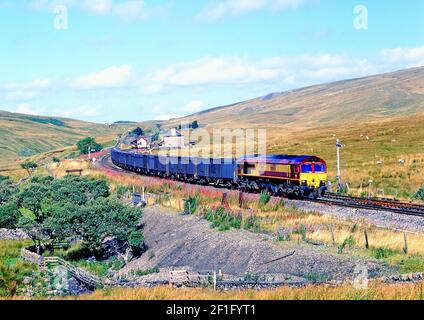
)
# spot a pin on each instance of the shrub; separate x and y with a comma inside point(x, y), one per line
point(302, 231)
point(315, 277)
point(88, 145)
point(264, 199)
point(420, 194)
point(283, 236)
point(191, 204)
point(382, 253)
point(348, 242)
point(142, 273)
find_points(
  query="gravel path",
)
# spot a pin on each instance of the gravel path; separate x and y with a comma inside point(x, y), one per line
point(382, 219)
point(185, 241)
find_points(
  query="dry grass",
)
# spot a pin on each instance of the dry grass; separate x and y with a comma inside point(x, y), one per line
point(376, 291)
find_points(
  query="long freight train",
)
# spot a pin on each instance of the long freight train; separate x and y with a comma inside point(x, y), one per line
point(292, 176)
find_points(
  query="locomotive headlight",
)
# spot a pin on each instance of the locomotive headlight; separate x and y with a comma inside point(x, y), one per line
point(304, 182)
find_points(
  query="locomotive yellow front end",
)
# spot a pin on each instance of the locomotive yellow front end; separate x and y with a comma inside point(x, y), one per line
point(313, 175)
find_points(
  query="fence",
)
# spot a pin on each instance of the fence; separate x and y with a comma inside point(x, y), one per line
point(81, 275)
point(185, 278)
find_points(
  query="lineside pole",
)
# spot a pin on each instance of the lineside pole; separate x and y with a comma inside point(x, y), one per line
point(339, 179)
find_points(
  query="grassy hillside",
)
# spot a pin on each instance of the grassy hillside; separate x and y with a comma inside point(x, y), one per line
point(23, 136)
point(375, 97)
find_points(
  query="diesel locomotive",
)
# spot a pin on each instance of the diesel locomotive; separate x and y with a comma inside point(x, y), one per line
point(288, 175)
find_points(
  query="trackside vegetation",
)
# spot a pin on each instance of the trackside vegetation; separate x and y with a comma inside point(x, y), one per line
point(71, 210)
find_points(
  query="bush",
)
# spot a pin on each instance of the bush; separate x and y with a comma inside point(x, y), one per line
point(9, 215)
point(315, 277)
point(382, 253)
point(420, 194)
point(222, 220)
point(88, 144)
point(302, 232)
point(264, 199)
point(348, 242)
point(191, 204)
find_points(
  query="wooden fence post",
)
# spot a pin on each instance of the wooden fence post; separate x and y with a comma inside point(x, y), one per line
point(241, 200)
point(405, 247)
point(224, 201)
point(367, 245)
point(333, 238)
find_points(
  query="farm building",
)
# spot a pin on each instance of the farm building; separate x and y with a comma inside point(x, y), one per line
point(173, 139)
point(143, 143)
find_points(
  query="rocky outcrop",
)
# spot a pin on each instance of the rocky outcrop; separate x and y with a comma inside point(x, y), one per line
point(6, 234)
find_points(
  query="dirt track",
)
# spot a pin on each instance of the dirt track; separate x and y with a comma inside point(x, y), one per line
point(177, 241)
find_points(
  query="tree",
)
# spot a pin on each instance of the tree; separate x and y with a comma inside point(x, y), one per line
point(31, 198)
point(110, 218)
point(9, 215)
point(29, 167)
point(6, 190)
point(88, 145)
point(138, 131)
point(420, 194)
point(34, 230)
point(195, 125)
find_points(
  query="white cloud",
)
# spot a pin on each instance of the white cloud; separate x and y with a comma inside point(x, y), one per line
point(107, 78)
point(21, 95)
point(33, 85)
point(27, 108)
point(208, 71)
point(284, 72)
point(215, 10)
point(413, 56)
point(193, 106)
point(128, 10)
point(79, 111)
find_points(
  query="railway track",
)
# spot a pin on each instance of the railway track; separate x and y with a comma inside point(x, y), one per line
point(404, 208)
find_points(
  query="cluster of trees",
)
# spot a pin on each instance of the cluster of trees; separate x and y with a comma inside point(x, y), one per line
point(194, 125)
point(88, 145)
point(138, 131)
point(71, 208)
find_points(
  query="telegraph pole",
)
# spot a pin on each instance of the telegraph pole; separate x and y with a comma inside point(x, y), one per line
point(339, 178)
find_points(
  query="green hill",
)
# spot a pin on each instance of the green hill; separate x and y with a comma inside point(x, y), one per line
point(26, 135)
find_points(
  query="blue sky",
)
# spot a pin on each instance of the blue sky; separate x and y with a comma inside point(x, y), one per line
point(142, 60)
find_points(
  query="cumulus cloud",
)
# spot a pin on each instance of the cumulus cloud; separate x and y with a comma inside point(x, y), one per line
point(27, 108)
point(114, 76)
point(35, 84)
point(128, 9)
point(21, 95)
point(414, 57)
point(284, 71)
point(215, 10)
point(84, 111)
point(193, 106)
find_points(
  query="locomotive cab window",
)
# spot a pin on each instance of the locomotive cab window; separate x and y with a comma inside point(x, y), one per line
point(307, 168)
point(320, 168)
